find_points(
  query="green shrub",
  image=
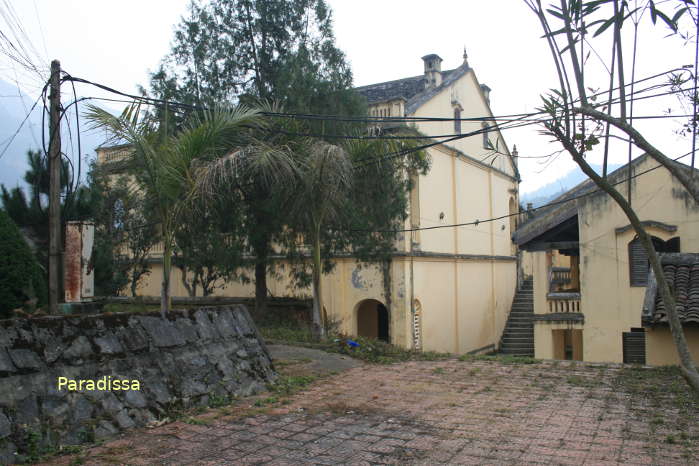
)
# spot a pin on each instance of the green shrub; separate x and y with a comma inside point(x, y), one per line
point(21, 277)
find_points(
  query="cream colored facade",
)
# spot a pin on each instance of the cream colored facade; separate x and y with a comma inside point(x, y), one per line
point(604, 296)
point(446, 289)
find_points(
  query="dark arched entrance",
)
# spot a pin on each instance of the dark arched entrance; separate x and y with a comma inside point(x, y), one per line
point(373, 320)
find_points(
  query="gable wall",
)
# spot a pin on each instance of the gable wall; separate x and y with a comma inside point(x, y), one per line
point(464, 192)
point(610, 305)
point(466, 92)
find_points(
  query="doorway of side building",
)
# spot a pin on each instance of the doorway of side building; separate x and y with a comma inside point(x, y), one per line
point(373, 320)
point(567, 344)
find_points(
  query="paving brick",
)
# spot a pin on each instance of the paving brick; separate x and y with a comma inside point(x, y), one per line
point(407, 414)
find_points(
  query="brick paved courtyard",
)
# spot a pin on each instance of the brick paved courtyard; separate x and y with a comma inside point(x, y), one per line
point(448, 411)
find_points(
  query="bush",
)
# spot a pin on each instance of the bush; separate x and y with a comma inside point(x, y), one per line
point(21, 279)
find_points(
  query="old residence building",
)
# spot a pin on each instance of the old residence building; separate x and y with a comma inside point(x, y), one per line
point(447, 288)
point(594, 295)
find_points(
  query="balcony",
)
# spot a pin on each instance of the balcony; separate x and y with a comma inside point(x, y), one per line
point(113, 158)
point(563, 297)
point(563, 302)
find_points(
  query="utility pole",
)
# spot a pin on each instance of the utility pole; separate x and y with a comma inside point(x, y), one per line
point(54, 187)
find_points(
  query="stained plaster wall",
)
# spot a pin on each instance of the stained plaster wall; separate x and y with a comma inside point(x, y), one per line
point(609, 303)
point(465, 92)
point(470, 312)
point(611, 306)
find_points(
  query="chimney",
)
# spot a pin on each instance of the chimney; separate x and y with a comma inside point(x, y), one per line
point(486, 92)
point(433, 70)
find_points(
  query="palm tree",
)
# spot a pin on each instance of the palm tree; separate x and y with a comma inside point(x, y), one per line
point(353, 198)
point(165, 162)
point(321, 195)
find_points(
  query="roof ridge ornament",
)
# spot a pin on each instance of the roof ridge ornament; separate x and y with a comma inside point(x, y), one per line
point(465, 57)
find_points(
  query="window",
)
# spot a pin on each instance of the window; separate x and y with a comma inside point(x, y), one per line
point(638, 259)
point(486, 140)
point(457, 120)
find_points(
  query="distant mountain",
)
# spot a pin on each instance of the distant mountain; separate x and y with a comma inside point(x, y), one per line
point(549, 192)
point(14, 106)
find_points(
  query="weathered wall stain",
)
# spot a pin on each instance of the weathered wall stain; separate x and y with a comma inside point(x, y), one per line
point(357, 281)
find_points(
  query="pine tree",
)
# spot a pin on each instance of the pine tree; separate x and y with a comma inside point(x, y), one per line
point(256, 51)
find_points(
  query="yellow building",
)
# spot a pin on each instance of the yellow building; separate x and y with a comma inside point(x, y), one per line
point(446, 288)
point(590, 272)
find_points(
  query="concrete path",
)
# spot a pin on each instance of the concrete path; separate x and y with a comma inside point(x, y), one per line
point(443, 412)
point(314, 361)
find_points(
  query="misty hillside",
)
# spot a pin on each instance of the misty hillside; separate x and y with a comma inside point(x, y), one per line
point(13, 108)
point(554, 189)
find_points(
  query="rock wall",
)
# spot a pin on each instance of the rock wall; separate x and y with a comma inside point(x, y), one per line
point(182, 360)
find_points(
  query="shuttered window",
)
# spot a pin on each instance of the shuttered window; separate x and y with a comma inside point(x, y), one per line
point(457, 120)
point(638, 259)
point(638, 263)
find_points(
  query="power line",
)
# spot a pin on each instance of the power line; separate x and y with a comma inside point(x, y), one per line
point(22, 123)
point(521, 119)
point(478, 222)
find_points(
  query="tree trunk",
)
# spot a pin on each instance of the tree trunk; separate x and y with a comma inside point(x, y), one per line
point(191, 289)
point(684, 178)
point(165, 291)
point(318, 324)
point(261, 248)
point(134, 282)
point(260, 286)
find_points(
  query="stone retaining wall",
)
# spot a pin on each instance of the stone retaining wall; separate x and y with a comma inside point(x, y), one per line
point(183, 360)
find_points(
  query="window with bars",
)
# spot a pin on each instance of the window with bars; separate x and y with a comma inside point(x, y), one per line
point(417, 325)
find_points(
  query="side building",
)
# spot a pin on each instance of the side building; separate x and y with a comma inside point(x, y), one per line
point(595, 297)
point(446, 288)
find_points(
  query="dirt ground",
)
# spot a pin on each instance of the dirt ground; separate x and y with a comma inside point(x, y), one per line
point(433, 412)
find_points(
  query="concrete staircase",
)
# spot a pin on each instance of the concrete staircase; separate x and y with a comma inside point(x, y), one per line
point(518, 336)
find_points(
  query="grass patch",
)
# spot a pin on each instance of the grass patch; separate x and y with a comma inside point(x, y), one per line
point(659, 386)
point(287, 334)
point(287, 385)
point(136, 307)
point(662, 397)
point(579, 381)
point(501, 358)
point(266, 401)
point(380, 352)
point(365, 349)
point(196, 421)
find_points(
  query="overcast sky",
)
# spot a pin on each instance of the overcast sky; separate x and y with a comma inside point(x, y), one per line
point(119, 42)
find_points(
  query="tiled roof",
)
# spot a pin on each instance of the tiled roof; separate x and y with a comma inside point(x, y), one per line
point(566, 205)
point(406, 88)
point(681, 270)
point(563, 207)
point(400, 88)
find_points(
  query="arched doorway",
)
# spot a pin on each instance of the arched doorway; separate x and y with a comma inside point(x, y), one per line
point(373, 320)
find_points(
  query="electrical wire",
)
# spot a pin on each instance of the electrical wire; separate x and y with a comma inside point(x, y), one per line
point(521, 119)
point(22, 124)
point(478, 222)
